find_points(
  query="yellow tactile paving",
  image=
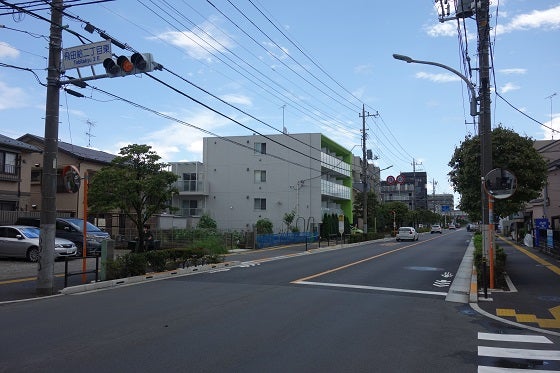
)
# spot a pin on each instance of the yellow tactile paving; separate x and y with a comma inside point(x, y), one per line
point(553, 323)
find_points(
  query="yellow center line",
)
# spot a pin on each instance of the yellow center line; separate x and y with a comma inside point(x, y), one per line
point(355, 263)
point(24, 279)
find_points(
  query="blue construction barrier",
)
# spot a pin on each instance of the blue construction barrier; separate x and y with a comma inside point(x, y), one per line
point(277, 239)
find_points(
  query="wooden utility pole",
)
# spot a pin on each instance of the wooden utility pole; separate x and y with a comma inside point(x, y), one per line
point(485, 125)
point(364, 115)
point(45, 272)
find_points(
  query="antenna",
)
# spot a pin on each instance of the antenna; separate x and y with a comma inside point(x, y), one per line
point(550, 97)
point(88, 132)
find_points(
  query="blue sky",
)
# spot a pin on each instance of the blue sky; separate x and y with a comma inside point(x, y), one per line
point(308, 66)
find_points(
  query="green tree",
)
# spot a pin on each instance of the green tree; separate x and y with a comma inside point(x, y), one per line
point(135, 183)
point(206, 222)
point(509, 151)
point(289, 219)
point(372, 207)
point(264, 226)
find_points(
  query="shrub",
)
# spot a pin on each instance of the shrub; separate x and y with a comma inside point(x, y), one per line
point(264, 226)
point(157, 260)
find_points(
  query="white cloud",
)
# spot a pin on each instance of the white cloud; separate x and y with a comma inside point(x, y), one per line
point(7, 51)
point(11, 97)
point(178, 141)
point(548, 19)
point(442, 29)
point(199, 44)
point(439, 78)
point(237, 99)
point(509, 87)
point(554, 123)
point(363, 69)
point(513, 71)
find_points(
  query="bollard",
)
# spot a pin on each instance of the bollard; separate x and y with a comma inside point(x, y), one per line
point(107, 253)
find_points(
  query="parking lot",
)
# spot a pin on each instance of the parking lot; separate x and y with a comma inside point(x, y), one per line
point(19, 268)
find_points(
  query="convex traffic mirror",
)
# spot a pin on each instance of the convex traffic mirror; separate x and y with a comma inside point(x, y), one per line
point(500, 183)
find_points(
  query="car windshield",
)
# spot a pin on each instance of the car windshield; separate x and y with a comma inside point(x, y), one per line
point(79, 223)
point(30, 232)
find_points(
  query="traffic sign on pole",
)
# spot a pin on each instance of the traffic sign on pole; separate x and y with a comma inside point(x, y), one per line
point(85, 55)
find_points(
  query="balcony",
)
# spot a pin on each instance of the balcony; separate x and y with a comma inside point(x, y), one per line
point(191, 187)
point(338, 191)
point(335, 165)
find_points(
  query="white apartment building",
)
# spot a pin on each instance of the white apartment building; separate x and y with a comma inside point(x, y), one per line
point(246, 178)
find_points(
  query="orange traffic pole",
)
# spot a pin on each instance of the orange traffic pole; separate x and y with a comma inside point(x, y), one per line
point(84, 242)
point(491, 238)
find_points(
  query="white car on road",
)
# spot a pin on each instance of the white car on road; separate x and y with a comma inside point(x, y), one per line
point(407, 233)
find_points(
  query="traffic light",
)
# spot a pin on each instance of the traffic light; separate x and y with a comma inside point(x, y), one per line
point(123, 66)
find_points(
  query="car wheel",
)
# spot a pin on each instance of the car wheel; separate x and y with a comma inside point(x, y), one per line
point(33, 254)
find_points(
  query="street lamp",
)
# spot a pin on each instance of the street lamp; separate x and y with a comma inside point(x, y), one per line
point(485, 143)
point(474, 111)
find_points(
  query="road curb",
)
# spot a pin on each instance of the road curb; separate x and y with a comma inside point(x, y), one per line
point(93, 286)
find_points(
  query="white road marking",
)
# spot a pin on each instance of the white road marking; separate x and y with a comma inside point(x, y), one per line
point(518, 353)
point(363, 287)
point(514, 338)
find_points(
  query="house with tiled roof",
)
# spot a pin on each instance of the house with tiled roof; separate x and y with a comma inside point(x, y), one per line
point(16, 160)
point(86, 160)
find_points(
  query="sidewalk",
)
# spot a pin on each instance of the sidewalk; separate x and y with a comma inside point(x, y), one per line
point(533, 300)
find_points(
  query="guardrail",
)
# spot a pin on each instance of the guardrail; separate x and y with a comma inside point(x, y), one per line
point(69, 274)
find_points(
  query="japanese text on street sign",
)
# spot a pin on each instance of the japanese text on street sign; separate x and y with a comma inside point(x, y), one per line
point(86, 55)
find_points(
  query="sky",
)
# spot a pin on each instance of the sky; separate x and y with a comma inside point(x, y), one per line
point(239, 67)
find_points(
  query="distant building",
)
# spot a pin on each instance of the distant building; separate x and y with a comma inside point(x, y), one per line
point(412, 190)
point(246, 178)
point(441, 203)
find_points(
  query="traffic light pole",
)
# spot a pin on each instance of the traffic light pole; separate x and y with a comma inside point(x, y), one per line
point(45, 271)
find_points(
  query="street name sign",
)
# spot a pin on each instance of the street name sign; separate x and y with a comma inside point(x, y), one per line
point(85, 55)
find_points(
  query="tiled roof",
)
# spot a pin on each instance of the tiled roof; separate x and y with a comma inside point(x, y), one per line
point(16, 144)
point(77, 151)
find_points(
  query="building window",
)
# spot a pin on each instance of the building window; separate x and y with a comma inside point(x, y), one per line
point(36, 176)
point(260, 176)
point(190, 207)
point(189, 182)
point(260, 203)
point(8, 163)
point(260, 148)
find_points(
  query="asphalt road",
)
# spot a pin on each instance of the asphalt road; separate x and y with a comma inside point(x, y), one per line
point(377, 307)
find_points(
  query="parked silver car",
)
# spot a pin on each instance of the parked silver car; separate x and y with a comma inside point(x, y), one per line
point(22, 241)
point(407, 233)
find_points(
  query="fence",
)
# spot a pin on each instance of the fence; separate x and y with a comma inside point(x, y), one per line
point(546, 242)
point(268, 240)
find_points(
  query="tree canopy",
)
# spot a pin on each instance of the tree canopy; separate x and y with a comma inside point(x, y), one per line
point(509, 151)
point(135, 183)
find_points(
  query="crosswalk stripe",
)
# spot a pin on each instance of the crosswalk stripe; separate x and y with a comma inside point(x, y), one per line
point(518, 353)
point(514, 338)
point(482, 369)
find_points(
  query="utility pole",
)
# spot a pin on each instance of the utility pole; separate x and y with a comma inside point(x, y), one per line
point(485, 126)
point(364, 115)
point(434, 183)
point(414, 163)
point(45, 272)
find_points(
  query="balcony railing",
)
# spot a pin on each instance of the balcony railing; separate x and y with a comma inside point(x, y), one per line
point(335, 190)
point(335, 164)
point(191, 187)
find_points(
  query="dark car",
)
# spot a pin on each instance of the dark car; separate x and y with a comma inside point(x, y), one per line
point(72, 229)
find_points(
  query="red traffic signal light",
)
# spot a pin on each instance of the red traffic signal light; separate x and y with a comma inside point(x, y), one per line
point(137, 64)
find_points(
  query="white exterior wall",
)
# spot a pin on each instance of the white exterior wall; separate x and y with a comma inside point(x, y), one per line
point(233, 189)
